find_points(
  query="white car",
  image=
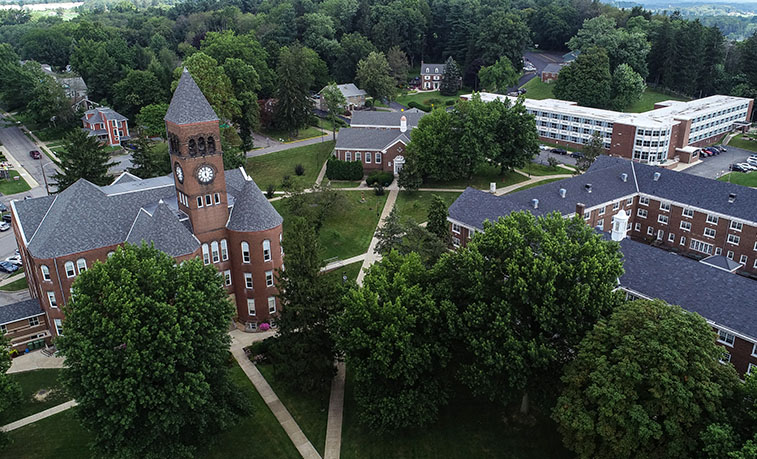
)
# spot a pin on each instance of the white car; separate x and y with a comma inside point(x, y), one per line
point(4, 226)
point(748, 166)
point(15, 259)
point(752, 161)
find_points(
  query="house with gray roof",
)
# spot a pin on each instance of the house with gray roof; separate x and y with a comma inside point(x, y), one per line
point(24, 325)
point(431, 76)
point(551, 71)
point(354, 97)
point(109, 126)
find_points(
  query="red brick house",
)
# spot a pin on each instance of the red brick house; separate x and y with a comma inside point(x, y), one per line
point(107, 125)
point(551, 72)
point(378, 149)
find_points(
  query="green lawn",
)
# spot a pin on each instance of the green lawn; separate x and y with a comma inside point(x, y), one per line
point(258, 435)
point(427, 98)
point(343, 183)
point(648, 99)
point(740, 178)
point(416, 204)
point(12, 186)
point(537, 169)
point(325, 123)
point(740, 141)
point(349, 230)
point(535, 89)
point(481, 178)
point(310, 411)
point(277, 134)
point(31, 382)
point(271, 168)
point(466, 428)
point(351, 270)
point(18, 284)
point(533, 185)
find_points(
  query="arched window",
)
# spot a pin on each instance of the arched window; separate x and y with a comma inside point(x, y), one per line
point(111, 253)
point(45, 272)
point(205, 254)
point(281, 245)
point(201, 145)
point(211, 145)
point(266, 250)
point(214, 251)
point(224, 250)
point(70, 271)
point(245, 252)
point(81, 263)
point(192, 147)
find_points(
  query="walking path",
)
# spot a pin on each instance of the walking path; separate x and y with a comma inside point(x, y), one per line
point(371, 256)
point(8, 280)
point(38, 416)
point(19, 168)
point(35, 360)
point(279, 146)
point(541, 178)
point(341, 263)
point(336, 410)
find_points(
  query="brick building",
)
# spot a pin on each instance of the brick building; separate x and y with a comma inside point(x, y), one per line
point(107, 125)
point(669, 133)
point(551, 72)
point(200, 210)
point(699, 218)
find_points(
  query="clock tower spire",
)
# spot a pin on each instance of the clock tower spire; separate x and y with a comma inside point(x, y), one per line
point(197, 160)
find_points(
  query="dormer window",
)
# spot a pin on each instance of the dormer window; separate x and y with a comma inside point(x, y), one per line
point(436, 70)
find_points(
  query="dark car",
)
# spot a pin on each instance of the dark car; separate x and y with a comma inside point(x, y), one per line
point(559, 151)
point(8, 267)
point(737, 168)
point(704, 153)
point(3, 207)
point(7, 218)
point(713, 150)
point(577, 155)
point(35, 154)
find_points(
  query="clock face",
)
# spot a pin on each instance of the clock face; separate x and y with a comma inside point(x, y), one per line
point(205, 174)
point(179, 173)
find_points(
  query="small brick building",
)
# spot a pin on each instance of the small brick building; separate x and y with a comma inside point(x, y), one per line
point(107, 125)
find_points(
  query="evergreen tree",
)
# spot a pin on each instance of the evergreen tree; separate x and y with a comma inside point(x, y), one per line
point(148, 161)
point(82, 157)
point(437, 219)
point(397, 60)
point(293, 104)
point(451, 78)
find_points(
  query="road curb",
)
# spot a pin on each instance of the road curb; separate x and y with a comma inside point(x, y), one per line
point(18, 167)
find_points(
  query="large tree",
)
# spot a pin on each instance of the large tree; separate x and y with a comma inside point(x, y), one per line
point(138, 89)
point(82, 157)
point(404, 235)
point(335, 103)
point(228, 45)
point(451, 78)
point(373, 76)
point(500, 33)
point(244, 83)
point(147, 160)
point(10, 391)
point(437, 219)
point(645, 382)
point(586, 80)
point(293, 104)
point(590, 152)
point(214, 84)
point(355, 47)
point(626, 88)
point(498, 77)
point(397, 60)
point(528, 289)
point(150, 119)
point(303, 350)
point(147, 353)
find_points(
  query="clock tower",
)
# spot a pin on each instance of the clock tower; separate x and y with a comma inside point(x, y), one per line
point(196, 157)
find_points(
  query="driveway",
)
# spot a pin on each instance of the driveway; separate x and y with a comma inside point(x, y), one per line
point(715, 166)
point(542, 158)
point(539, 60)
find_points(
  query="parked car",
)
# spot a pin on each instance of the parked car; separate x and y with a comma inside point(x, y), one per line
point(737, 168)
point(751, 161)
point(4, 226)
point(577, 155)
point(559, 151)
point(721, 148)
point(8, 267)
point(3, 207)
point(704, 153)
point(7, 218)
point(748, 167)
point(15, 259)
point(713, 150)
point(35, 154)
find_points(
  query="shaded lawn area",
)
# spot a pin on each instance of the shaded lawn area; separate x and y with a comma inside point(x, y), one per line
point(310, 411)
point(648, 99)
point(536, 169)
point(481, 178)
point(18, 284)
point(13, 186)
point(740, 141)
point(270, 169)
point(537, 90)
point(343, 183)
point(348, 231)
point(426, 98)
point(351, 270)
point(279, 134)
point(740, 178)
point(258, 435)
point(540, 183)
point(415, 204)
point(31, 382)
point(467, 428)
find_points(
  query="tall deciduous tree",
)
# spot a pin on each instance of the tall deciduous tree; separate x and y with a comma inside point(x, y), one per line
point(645, 382)
point(82, 157)
point(397, 60)
point(293, 104)
point(355, 47)
point(373, 76)
point(147, 350)
point(138, 89)
point(213, 82)
point(150, 119)
point(591, 152)
point(627, 87)
point(335, 103)
point(500, 33)
point(586, 80)
point(10, 391)
point(244, 82)
point(404, 235)
point(498, 77)
point(451, 78)
point(437, 219)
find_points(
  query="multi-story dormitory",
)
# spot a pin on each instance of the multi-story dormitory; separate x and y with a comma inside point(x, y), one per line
point(692, 241)
point(669, 133)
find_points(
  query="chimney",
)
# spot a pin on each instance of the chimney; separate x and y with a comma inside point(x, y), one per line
point(732, 197)
point(588, 187)
point(624, 177)
point(403, 123)
point(656, 176)
point(563, 191)
point(535, 203)
point(580, 209)
point(619, 226)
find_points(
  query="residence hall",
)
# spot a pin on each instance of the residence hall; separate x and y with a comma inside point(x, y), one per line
point(673, 220)
point(669, 133)
point(200, 210)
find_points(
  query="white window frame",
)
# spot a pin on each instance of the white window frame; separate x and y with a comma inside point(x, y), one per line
point(199, 202)
point(725, 358)
point(689, 213)
point(736, 226)
point(650, 231)
point(616, 205)
point(378, 158)
point(217, 198)
point(629, 202)
point(227, 277)
point(729, 255)
point(662, 219)
point(269, 278)
point(348, 156)
point(271, 305)
point(712, 219)
point(367, 157)
point(671, 237)
point(34, 321)
point(664, 206)
point(686, 226)
point(744, 260)
point(58, 326)
point(733, 239)
point(224, 250)
point(358, 156)
point(45, 273)
point(754, 350)
point(215, 252)
point(245, 252)
point(51, 299)
point(267, 250)
point(683, 240)
point(81, 265)
point(456, 228)
point(601, 211)
point(724, 340)
point(709, 232)
point(749, 368)
point(643, 200)
point(601, 224)
point(70, 269)
point(248, 281)
point(251, 307)
point(642, 213)
point(205, 254)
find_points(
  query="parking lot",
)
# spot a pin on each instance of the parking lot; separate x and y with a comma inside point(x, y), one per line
point(715, 166)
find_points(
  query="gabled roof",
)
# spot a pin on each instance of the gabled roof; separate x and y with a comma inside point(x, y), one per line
point(164, 230)
point(552, 68)
point(188, 104)
point(17, 311)
point(391, 120)
point(369, 139)
point(432, 69)
point(252, 211)
point(103, 113)
point(125, 177)
point(349, 90)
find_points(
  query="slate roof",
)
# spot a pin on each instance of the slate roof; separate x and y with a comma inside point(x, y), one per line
point(688, 283)
point(164, 230)
point(188, 104)
point(21, 310)
point(721, 262)
point(98, 113)
point(350, 90)
point(552, 68)
point(125, 177)
point(368, 118)
point(252, 211)
point(369, 139)
point(431, 69)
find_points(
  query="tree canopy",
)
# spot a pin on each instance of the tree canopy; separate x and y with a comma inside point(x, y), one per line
point(82, 157)
point(373, 75)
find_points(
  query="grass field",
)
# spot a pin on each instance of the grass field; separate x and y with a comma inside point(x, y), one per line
point(31, 382)
point(349, 230)
point(257, 435)
point(280, 135)
point(416, 204)
point(343, 183)
point(13, 186)
point(426, 98)
point(540, 183)
point(466, 428)
point(18, 284)
point(535, 89)
point(480, 179)
point(741, 142)
point(351, 270)
point(310, 411)
point(537, 169)
point(271, 168)
point(740, 178)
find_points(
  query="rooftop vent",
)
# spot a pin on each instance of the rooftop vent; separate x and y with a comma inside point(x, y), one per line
point(731, 197)
point(656, 176)
point(624, 177)
point(562, 192)
point(535, 203)
point(588, 187)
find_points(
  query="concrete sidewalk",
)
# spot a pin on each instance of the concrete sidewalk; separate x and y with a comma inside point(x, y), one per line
point(35, 360)
point(341, 263)
point(371, 256)
point(336, 410)
point(8, 280)
point(532, 180)
point(38, 416)
point(280, 146)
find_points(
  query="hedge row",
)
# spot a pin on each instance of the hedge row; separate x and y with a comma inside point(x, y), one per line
point(414, 104)
point(382, 178)
point(344, 170)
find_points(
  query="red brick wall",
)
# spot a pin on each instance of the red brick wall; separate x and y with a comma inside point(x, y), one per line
point(741, 354)
point(387, 157)
point(622, 140)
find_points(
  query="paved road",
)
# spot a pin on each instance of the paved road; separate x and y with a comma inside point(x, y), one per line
point(715, 166)
point(540, 60)
point(19, 146)
point(541, 158)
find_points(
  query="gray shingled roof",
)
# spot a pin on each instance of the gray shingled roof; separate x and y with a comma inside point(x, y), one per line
point(721, 262)
point(688, 283)
point(125, 177)
point(349, 90)
point(431, 69)
point(189, 104)
point(369, 139)
point(109, 113)
point(552, 68)
point(21, 310)
point(368, 118)
point(252, 211)
point(164, 230)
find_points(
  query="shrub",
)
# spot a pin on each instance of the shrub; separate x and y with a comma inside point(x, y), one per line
point(299, 169)
point(414, 104)
point(270, 191)
point(434, 102)
point(449, 102)
point(286, 182)
point(378, 189)
point(344, 170)
point(552, 162)
point(369, 103)
point(382, 178)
